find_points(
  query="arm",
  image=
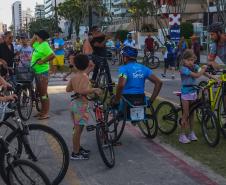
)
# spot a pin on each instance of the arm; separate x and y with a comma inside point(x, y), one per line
point(119, 88)
point(48, 58)
point(158, 85)
point(69, 87)
point(198, 74)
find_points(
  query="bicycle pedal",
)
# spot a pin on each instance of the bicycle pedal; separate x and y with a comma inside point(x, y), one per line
point(90, 128)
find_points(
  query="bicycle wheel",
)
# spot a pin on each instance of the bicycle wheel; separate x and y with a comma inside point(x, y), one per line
point(102, 83)
point(25, 103)
point(149, 127)
point(210, 127)
point(167, 117)
point(153, 62)
point(49, 149)
point(221, 116)
point(116, 124)
point(23, 172)
point(105, 146)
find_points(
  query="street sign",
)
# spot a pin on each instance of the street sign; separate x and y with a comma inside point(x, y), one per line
point(174, 24)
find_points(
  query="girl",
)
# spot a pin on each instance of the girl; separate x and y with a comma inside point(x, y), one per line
point(189, 72)
point(79, 84)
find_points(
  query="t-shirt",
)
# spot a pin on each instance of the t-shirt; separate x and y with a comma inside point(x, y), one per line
point(149, 42)
point(135, 75)
point(221, 52)
point(41, 51)
point(186, 79)
point(170, 49)
point(130, 43)
point(118, 44)
point(99, 51)
point(212, 50)
point(25, 55)
point(78, 45)
point(58, 42)
point(7, 54)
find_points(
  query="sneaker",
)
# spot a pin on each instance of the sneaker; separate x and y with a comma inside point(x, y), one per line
point(183, 139)
point(163, 75)
point(84, 151)
point(192, 136)
point(79, 156)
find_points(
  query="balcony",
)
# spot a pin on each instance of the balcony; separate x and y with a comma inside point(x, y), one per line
point(118, 11)
point(117, 2)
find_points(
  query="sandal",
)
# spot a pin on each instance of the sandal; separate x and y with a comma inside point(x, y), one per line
point(37, 115)
point(42, 117)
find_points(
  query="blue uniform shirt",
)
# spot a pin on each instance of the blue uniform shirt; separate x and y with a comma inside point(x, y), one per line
point(135, 75)
point(58, 42)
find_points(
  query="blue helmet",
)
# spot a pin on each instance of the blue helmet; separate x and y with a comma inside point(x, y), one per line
point(128, 51)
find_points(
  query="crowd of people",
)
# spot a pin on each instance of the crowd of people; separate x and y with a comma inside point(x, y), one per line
point(46, 57)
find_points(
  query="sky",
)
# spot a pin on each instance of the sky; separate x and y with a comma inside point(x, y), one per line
point(5, 9)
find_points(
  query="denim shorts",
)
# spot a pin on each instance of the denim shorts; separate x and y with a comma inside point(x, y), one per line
point(189, 97)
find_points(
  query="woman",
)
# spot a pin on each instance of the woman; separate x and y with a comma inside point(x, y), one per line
point(40, 63)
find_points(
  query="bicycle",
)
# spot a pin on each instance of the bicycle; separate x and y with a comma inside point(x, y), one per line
point(15, 171)
point(168, 116)
point(103, 138)
point(102, 80)
point(150, 60)
point(24, 138)
point(137, 110)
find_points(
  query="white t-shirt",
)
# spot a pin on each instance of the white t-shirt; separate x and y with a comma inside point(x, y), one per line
point(25, 55)
point(130, 43)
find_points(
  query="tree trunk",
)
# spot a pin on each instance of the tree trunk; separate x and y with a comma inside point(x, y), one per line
point(70, 29)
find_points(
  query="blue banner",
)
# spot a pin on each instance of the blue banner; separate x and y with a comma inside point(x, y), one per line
point(175, 33)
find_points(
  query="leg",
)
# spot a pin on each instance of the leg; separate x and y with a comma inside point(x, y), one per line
point(107, 69)
point(95, 71)
point(165, 67)
point(76, 139)
point(54, 65)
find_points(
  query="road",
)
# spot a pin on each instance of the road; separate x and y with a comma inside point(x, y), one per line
point(139, 161)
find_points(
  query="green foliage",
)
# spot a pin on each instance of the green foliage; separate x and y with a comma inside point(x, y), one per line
point(121, 34)
point(148, 28)
point(186, 30)
point(46, 24)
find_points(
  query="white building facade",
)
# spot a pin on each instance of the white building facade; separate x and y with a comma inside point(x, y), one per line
point(17, 17)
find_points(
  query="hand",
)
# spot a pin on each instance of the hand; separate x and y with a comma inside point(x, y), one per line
point(12, 97)
point(6, 85)
point(204, 67)
point(97, 91)
point(40, 62)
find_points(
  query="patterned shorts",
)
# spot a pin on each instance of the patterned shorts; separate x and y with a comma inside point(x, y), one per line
point(79, 110)
point(189, 97)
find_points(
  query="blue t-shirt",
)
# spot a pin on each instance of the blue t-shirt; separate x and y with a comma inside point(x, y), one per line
point(135, 75)
point(186, 79)
point(58, 42)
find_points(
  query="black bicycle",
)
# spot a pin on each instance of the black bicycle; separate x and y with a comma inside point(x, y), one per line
point(38, 143)
point(137, 110)
point(150, 60)
point(168, 116)
point(14, 170)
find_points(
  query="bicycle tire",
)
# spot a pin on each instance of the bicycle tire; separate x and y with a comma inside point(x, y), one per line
point(221, 116)
point(206, 126)
point(115, 126)
point(58, 140)
point(103, 87)
point(25, 177)
point(149, 127)
point(167, 117)
point(104, 142)
point(27, 115)
point(153, 62)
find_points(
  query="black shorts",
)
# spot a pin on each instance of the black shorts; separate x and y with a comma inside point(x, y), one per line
point(169, 62)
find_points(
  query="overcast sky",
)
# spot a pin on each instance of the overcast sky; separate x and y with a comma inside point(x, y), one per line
point(6, 12)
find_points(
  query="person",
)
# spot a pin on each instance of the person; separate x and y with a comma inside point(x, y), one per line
point(78, 45)
point(195, 46)
point(7, 52)
point(1, 38)
point(98, 44)
point(80, 85)
point(41, 57)
point(58, 45)
point(132, 77)
point(149, 44)
point(182, 46)
point(189, 73)
point(118, 45)
point(71, 57)
point(6, 85)
point(25, 52)
point(129, 41)
point(169, 57)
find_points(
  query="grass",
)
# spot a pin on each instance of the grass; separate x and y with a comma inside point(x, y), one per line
point(215, 158)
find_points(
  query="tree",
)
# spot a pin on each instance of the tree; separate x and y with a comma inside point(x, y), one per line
point(221, 10)
point(75, 11)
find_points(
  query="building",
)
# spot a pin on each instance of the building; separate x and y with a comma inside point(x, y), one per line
point(27, 17)
point(40, 11)
point(17, 17)
point(3, 27)
point(49, 7)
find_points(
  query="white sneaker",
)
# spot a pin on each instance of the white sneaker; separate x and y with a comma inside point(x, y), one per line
point(183, 139)
point(192, 136)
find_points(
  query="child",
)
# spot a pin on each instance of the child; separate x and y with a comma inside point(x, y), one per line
point(189, 72)
point(80, 84)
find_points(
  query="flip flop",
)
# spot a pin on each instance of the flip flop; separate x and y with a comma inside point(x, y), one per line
point(43, 117)
point(37, 115)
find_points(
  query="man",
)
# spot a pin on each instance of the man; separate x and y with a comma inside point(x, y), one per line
point(129, 41)
point(1, 39)
point(58, 46)
point(149, 44)
point(7, 51)
point(132, 77)
point(78, 45)
point(98, 44)
point(25, 51)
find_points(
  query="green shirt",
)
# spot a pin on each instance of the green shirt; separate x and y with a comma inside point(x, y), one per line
point(41, 51)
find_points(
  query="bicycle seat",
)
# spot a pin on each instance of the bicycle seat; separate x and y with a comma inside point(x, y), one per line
point(177, 93)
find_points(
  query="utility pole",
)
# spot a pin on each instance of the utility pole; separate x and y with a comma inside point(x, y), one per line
point(56, 16)
point(90, 17)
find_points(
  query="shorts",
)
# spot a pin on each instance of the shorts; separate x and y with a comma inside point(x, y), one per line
point(39, 77)
point(169, 62)
point(79, 110)
point(189, 97)
point(58, 60)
